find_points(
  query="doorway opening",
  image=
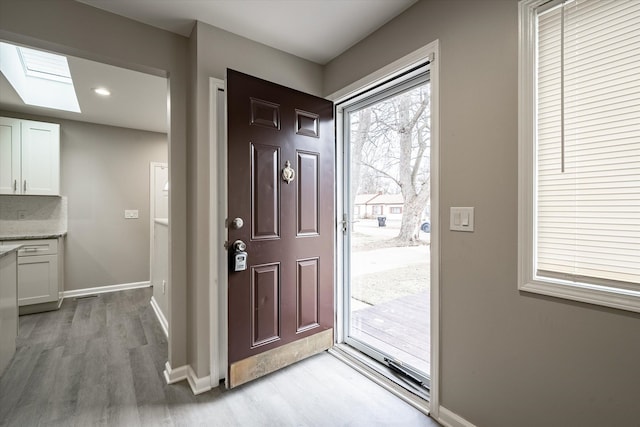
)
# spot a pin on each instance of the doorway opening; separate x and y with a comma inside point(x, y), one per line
point(104, 201)
point(386, 219)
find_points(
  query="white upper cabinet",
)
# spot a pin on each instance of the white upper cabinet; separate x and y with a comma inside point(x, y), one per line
point(40, 158)
point(29, 157)
point(9, 156)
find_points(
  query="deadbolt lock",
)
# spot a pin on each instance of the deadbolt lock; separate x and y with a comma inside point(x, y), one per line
point(237, 223)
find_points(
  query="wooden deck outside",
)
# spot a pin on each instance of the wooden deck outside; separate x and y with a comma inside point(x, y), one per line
point(400, 328)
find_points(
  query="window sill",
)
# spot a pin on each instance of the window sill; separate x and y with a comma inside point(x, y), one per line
point(623, 299)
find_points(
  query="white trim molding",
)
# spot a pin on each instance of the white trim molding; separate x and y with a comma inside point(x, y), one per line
point(217, 232)
point(164, 324)
point(104, 289)
point(450, 419)
point(387, 72)
point(172, 375)
point(198, 385)
point(431, 53)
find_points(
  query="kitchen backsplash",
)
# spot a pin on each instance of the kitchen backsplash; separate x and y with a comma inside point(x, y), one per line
point(23, 215)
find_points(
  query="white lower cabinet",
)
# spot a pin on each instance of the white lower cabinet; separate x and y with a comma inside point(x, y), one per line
point(8, 309)
point(37, 279)
point(39, 272)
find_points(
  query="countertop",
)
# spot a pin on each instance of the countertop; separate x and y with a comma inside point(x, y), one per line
point(7, 249)
point(32, 236)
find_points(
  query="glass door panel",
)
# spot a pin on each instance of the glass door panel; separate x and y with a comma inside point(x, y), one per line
point(387, 253)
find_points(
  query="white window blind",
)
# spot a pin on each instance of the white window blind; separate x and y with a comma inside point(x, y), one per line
point(587, 196)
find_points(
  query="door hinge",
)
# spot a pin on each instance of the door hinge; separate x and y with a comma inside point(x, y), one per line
point(345, 223)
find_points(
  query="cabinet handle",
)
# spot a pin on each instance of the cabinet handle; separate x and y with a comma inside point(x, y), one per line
point(15, 185)
point(25, 186)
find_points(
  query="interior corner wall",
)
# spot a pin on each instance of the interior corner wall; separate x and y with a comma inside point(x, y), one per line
point(507, 357)
point(73, 28)
point(212, 51)
point(104, 170)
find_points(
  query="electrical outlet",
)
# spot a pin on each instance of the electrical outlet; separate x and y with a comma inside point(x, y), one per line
point(22, 215)
point(164, 287)
point(131, 214)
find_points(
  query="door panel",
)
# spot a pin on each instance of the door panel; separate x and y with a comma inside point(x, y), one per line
point(265, 296)
point(308, 193)
point(40, 158)
point(10, 181)
point(307, 288)
point(285, 296)
point(265, 194)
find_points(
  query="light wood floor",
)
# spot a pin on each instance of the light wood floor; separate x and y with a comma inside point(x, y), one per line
point(99, 361)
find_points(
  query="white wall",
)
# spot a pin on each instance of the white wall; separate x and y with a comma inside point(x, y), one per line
point(508, 358)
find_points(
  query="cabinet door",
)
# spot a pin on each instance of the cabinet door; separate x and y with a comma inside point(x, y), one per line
point(40, 158)
point(9, 156)
point(37, 279)
point(8, 309)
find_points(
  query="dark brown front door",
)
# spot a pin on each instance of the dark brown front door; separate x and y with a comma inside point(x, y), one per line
point(281, 306)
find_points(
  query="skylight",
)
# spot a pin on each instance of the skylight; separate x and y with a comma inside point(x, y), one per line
point(40, 78)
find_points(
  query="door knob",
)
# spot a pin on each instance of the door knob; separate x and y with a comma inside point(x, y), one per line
point(237, 223)
point(239, 246)
point(239, 256)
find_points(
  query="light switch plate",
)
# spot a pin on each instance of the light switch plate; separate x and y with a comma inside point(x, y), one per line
point(461, 218)
point(131, 213)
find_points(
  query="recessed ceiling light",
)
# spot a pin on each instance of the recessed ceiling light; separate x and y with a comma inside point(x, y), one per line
point(102, 91)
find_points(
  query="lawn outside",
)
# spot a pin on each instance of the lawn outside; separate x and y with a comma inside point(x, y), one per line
point(381, 271)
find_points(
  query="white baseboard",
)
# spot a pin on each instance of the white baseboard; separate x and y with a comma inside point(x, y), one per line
point(104, 289)
point(174, 375)
point(198, 385)
point(450, 419)
point(164, 324)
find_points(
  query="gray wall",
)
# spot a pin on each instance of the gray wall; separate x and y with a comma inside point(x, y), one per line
point(76, 29)
point(212, 51)
point(508, 358)
point(105, 170)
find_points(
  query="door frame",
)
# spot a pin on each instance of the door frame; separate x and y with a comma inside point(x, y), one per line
point(218, 202)
point(162, 317)
point(429, 52)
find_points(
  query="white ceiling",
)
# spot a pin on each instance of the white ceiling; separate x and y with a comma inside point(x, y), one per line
point(137, 101)
point(317, 30)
